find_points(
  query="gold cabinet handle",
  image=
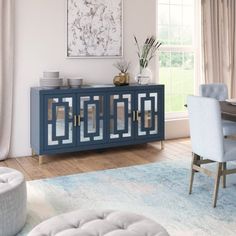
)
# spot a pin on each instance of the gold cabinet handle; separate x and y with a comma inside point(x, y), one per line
point(137, 115)
point(134, 115)
point(79, 120)
point(75, 121)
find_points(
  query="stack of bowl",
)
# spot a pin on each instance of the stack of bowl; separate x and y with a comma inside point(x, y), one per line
point(75, 82)
point(51, 80)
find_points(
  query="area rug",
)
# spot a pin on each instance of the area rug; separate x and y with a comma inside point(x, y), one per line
point(158, 191)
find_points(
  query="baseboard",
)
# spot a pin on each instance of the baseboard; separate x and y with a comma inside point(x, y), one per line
point(177, 128)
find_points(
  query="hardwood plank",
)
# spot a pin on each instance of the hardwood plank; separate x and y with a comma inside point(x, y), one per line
point(13, 163)
point(60, 165)
point(73, 163)
point(179, 147)
point(123, 158)
point(32, 168)
point(94, 162)
point(3, 164)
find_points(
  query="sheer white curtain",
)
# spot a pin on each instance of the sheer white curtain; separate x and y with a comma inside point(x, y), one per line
point(6, 75)
point(219, 49)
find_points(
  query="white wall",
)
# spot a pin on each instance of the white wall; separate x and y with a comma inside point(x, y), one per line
point(40, 45)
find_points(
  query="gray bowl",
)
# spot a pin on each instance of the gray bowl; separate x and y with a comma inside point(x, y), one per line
point(75, 83)
point(51, 83)
point(51, 74)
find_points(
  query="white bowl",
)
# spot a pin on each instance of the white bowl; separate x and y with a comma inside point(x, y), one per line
point(51, 74)
point(75, 82)
point(51, 83)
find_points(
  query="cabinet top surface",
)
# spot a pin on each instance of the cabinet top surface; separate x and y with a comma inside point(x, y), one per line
point(98, 86)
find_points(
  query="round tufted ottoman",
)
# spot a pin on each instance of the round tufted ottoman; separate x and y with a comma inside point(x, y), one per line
point(98, 223)
point(12, 201)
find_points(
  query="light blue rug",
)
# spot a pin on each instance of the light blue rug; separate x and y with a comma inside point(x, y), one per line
point(158, 190)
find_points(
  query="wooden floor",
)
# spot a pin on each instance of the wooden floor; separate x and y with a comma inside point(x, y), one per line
point(99, 160)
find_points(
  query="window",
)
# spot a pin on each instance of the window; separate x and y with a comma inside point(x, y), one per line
point(178, 55)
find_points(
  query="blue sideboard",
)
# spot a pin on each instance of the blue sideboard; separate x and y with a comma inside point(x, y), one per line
point(95, 117)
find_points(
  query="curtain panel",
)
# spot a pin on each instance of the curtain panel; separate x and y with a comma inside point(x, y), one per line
point(218, 42)
point(6, 75)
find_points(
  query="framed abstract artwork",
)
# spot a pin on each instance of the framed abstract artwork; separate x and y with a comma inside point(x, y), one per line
point(94, 28)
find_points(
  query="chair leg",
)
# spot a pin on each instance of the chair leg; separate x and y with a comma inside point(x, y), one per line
point(224, 167)
point(217, 183)
point(194, 160)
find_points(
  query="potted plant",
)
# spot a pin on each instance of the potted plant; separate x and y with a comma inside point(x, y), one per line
point(145, 54)
point(123, 77)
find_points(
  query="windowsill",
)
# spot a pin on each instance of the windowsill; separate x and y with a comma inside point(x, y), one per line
point(176, 116)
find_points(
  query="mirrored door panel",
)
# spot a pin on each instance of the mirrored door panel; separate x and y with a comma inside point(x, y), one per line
point(147, 114)
point(59, 121)
point(120, 117)
point(91, 119)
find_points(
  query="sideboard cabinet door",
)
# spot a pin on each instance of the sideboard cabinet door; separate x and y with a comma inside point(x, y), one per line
point(150, 114)
point(120, 125)
point(59, 130)
point(91, 119)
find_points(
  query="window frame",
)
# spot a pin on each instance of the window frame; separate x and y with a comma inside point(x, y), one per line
point(195, 49)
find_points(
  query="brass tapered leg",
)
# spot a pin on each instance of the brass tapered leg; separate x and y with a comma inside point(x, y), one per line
point(40, 160)
point(194, 159)
point(224, 167)
point(33, 152)
point(162, 145)
point(217, 183)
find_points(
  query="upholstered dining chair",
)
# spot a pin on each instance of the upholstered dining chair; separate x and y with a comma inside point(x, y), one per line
point(219, 91)
point(208, 142)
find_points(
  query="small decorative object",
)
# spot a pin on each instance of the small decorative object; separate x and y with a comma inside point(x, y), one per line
point(51, 74)
point(51, 80)
point(145, 55)
point(123, 77)
point(51, 83)
point(75, 82)
point(94, 28)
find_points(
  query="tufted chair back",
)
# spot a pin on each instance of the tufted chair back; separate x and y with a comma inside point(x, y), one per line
point(217, 91)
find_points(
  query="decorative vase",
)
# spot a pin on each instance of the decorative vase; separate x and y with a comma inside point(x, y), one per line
point(145, 76)
point(121, 79)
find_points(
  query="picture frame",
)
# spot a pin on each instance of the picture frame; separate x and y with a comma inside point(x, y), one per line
point(94, 28)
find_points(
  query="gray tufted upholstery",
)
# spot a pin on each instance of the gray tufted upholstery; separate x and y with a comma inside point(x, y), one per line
point(99, 223)
point(220, 92)
point(217, 91)
point(12, 201)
